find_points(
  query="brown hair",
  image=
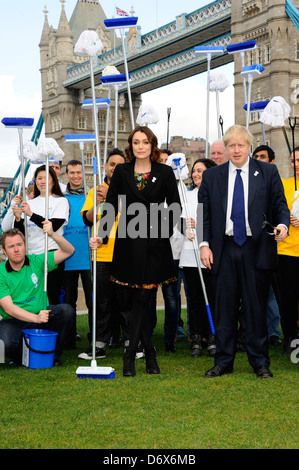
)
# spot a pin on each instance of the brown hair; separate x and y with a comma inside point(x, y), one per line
point(11, 233)
point(155, 153)
point(56, 188)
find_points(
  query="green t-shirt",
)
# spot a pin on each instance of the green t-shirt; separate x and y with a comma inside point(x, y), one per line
point(25, 287)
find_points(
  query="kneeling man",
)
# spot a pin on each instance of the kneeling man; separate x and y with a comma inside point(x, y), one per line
point(22, 293)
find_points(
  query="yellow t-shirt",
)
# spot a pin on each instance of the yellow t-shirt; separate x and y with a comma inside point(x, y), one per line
point(105, 252)
point(290, 246)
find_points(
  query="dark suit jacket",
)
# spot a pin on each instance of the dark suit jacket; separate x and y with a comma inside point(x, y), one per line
point(148, 258)
point(265, 196)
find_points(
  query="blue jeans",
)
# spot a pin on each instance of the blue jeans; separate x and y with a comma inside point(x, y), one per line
point(273, 315)
point(61, 319)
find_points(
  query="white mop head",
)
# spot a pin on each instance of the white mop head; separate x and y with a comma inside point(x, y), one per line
point(110, 70)
point(29, 151)
point(95, 372)
point(295, 206)
point(218, 81)
point(48, 147)
point(276, 112)
point(88, 44)
point(147, 115)
point(177, 161)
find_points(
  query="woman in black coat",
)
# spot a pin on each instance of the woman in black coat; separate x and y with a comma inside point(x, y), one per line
point(145, 193)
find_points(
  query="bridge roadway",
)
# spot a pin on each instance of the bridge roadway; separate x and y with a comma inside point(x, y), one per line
point(165, 55)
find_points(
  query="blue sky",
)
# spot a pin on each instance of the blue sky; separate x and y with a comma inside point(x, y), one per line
point(21, 26)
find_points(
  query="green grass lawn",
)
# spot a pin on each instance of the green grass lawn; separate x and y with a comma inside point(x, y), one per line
point(178, 409)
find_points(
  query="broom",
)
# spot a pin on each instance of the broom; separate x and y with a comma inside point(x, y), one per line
point(20, 124)
point(178, 163)
point(121, 24)
point(208, 51)
point(94, 372)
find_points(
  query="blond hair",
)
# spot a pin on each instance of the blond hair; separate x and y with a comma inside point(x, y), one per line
point(240, 131)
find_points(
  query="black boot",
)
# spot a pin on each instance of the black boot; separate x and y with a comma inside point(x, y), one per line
point(129, 363)
point(151, 361)
point(196, 346)
point(211, 345)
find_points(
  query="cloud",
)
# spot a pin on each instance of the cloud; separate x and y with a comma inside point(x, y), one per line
point(14, 105)
point(188, 102)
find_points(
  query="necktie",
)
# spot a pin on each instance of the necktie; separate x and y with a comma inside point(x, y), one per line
point(238, 211)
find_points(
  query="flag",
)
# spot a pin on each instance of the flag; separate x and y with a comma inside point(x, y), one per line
point(120, 12)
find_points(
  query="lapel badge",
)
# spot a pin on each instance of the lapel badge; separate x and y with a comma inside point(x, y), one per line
point(256, 173)
point(154, 179)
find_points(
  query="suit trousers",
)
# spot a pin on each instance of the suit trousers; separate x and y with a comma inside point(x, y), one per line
point(238, 279)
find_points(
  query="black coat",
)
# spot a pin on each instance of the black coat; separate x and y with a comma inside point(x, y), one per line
point(142, 252)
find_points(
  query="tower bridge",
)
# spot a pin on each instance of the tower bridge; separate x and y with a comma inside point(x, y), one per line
point(165, 55)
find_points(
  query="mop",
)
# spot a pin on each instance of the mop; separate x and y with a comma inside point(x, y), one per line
point(122, 23)
point(177, 161)
point(94, 372)
point(106, 72)
point(218, 83)
point(250, 72)
point(293, 126)
point(112, 78)
point(258, 106)
point(47, 148)
point(241, 48)
point(89, 45)
point(208, 51)
point(275, 114)
point(20, 124)
point(147, 115)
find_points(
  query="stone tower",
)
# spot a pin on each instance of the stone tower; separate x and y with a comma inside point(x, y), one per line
point(277, 49)
point(61, 106)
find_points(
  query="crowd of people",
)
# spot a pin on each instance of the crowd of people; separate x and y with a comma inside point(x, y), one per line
point(246, 235)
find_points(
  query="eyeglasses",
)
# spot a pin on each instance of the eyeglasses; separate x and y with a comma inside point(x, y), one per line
point(268, 226)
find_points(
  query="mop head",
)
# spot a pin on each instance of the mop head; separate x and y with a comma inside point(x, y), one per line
point(147, 115)
point(295, 206)
point(17, 122)
point(77, 138)
point(122, 22)
point(177, 161)
point(101, 103)
point(258, 106)
point(88, 44)
point(276, 112)
point(95, 372)
point(241, 47)
point(110, 70)
point(218, 82)
point(252, 70)
point(29, 151)
point(48, 147)
point(209, 50)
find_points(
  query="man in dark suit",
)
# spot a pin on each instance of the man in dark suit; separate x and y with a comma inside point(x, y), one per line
point(238, 250)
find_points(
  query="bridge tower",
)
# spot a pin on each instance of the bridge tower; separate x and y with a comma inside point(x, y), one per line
point(277, 41)
point(61, 106)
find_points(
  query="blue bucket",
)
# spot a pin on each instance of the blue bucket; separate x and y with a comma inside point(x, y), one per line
point(38, 348)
